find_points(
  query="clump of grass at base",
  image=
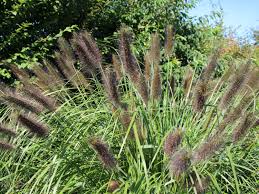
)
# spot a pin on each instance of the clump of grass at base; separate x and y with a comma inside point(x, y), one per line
point(136, 124)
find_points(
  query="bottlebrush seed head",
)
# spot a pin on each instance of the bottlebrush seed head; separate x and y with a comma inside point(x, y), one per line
point(208, 148)
point(6, 146)
point(169, 41)
point(155, 49)
point(172, 142)
point(110, 85)
point(33, 125)
point(7, 131)
point(112, 186)
point(102, 150)
point(179, 163)
point(117, 66)
point(242, 128)
point(199, 97)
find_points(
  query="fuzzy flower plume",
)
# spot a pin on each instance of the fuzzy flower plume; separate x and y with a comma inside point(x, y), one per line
point(187, 81)
point(179, 163)
point(147, 66)
point(54, 75)
point(169, 40)
point(92, 46)
point(110, 85)
point(228, 73)
point(130, 65)
point(21, 74)
point(201, 186)
point(128, 59)
point(23, 102)
point(200, 90)
point(235, 113)
point(113, 185)
point(35, 126)
point(66, 60)
point(207, 149)
point(7, 131)
point(172, 142)
point(37, 94)
point(210, 68)
point(117, 66)
point(88, 52)
point(242, 128)
point(103, 152)
point(6, 146)
point(154, 54)
point(199, 96)
point(251, 82)
point(155, 49)
point(156, 90)
point(44, 80)
point(234, 87)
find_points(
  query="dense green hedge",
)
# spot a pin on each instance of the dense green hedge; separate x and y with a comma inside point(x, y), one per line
point(30, 28)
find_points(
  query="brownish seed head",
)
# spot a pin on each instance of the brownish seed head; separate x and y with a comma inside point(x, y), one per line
point(130, 65)
point(172, 142)
point(7, 131)
point(127, 57)
point(242, 128)
point(88, 60)
point(43, 77)
point(54, 74)
point(125, 119)
point(113, 185)
point(155, 49)
point(187, 81)
point(35, 126)
point(65, 49)
point(156, 89)
point(172, 85)
point(6, 146)
point(37, 94)
point(23, 102)
point(169, 36)
point(234, 87)
point(201, 186)
point(103, 152)
point(179, 163)
point(110, 86)
point(66, 65)
point(143, 89)
point(208, 148)
point(117, 66)
point(235, 113)
point(199, 97)
point(147, 66)
point(21, 74)
point(210, 68)
point(251, 83)
point(92, 46)
point(228, 73)
point(5, 89)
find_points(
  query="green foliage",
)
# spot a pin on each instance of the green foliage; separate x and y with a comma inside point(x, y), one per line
point(256, 37)
point(32, 27)
point(65, 163)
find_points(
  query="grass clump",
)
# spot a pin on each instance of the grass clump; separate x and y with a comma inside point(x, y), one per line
point(135, 132)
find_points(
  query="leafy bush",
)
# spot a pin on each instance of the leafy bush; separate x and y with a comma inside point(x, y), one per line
point(31, 32)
